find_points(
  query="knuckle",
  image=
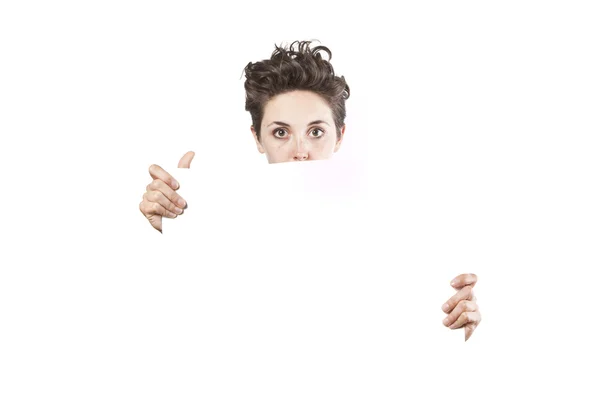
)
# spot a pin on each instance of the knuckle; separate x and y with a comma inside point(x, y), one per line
point(452, 303)
point(153, 196)
point(457, 322)
point(159, 184)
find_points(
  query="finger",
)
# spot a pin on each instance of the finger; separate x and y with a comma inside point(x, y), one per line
point(461, 307)
point(464, 280)
point(186, 160)
point(157, 172)
point(469, 329)
point(170, 194)
point(157, 197)
point(149, 209)
point(463, 294)
point(465, 318)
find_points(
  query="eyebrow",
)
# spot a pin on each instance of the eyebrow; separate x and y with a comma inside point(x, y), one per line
point(318, 121)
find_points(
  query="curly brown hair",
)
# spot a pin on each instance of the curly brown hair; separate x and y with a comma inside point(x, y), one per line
point(297, 67)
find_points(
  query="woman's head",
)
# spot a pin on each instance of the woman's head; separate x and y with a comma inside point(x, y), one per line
point(297, 104)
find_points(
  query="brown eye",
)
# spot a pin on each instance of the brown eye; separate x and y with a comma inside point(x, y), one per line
point(317, 133)
point(280, 133)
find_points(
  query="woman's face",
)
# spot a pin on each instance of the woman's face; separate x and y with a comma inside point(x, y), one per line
point(297, 126)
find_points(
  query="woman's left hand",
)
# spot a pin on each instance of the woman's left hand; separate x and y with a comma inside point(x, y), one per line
point(462, 308)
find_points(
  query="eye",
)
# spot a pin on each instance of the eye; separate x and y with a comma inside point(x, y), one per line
point(317, 133)
point(280, 133)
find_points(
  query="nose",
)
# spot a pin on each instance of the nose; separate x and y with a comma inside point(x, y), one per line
point(301, 150)
point(300, 157)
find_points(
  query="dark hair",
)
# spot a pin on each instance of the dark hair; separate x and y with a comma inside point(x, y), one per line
point(297, 67)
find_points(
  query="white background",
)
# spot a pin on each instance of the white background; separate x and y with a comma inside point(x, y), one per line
point(482, 123)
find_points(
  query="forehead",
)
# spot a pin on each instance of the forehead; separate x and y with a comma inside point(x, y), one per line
point(298, 107)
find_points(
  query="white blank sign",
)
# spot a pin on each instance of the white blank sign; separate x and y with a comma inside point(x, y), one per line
point(280, 287)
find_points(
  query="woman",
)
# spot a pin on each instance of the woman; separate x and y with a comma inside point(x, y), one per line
point(297, 106)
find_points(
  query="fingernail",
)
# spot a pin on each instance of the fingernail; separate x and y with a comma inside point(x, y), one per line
point(178, 210)
point(446, 307)
point(181, 202)
point(454, 282)
point(175, 184)
point(446, 321)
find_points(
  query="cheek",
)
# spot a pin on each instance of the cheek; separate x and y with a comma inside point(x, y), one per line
point(277, 150)
point(325, 145)
point(274, 144)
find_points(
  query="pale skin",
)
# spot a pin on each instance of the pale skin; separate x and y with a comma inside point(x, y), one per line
point(461, 309)
point(297, 126)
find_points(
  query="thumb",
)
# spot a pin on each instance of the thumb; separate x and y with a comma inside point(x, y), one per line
point(186, 160)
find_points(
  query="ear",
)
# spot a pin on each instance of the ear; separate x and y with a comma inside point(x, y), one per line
point(339, 141)
point(258, 144)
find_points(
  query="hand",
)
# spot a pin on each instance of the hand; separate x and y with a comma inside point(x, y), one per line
point(160, 198)
point(462, 308)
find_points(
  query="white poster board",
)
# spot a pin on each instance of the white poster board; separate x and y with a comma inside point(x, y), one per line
point(287, 289)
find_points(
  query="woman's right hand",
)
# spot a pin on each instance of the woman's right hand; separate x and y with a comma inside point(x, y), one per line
point(160, 198)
